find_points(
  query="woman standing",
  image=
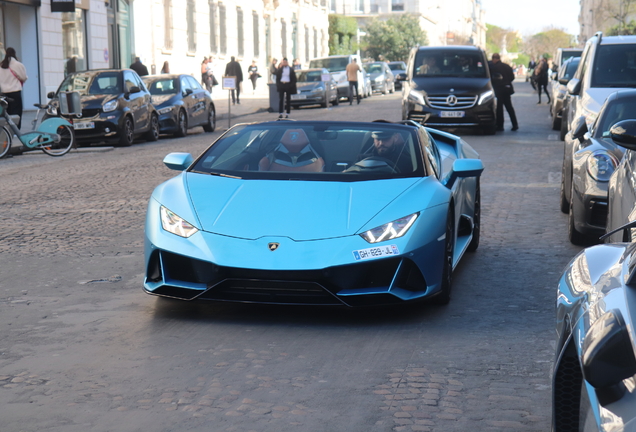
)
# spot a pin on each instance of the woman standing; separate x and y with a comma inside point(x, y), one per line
point(286, 86)
point(165, 68)
point(205, 79)
point(253, 71)
point(12, 77)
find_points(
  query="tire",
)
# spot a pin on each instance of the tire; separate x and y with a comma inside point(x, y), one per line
point(392, 90)
point(324, 104)
point(153, 132)
point(576, 237)
point(67, 139)
point(182, 124)
point(443, 297)
point(385, 90)
point(5, 142)
point(127, 133)
point(556, 123)
point(210, 126)
point(563, 128)
point(565, 204)
point(335, 102)
point(474, 242)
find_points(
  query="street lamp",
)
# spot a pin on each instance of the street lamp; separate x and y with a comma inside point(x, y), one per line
point(358, 34)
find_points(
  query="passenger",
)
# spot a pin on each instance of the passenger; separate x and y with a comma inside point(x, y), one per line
point(429, 66)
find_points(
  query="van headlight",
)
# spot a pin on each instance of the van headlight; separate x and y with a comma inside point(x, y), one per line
point(416, 97)
point(485, 97)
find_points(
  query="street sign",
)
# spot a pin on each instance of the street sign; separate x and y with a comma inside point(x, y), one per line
point(229, 83)
point(325, 77)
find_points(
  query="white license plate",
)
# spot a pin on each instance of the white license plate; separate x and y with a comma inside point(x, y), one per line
point(453, 114)
point(298, 96)
point(375, 252)
point(84, 125)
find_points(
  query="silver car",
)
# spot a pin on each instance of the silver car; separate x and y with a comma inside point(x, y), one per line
point(558, 87)
point(315, 87)
point(381, 77)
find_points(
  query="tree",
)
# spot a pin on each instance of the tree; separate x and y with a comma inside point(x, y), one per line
point(547, 42)
point(497, 38)
point(619, 10)
point(342, 35)
point(393, 39)
point(622, 30)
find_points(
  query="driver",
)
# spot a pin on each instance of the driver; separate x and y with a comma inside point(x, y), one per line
point(391, 146)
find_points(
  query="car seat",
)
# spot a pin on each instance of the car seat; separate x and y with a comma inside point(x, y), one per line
point(294, 153)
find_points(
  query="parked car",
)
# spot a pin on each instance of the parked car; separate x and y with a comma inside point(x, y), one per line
point(116, 107)
point(449, 86)
point(594, 367)
point(355, 227)
point(381, 77)
point(181, 103)
point(589, 160)
point(605, 67)
point(312, 90)
point(558, 88)
point(622, 187)
point(562, 55)
point(337, 65)
point(397, 67)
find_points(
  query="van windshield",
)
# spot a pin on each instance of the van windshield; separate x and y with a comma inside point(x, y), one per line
point(332, 64)
point(440, 63)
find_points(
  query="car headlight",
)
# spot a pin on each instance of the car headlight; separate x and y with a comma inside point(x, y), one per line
point(485, 97)
point(601, 165)
point(391, 230)
point(165, 110)
point(110, 106)
point(378, 79)
point(175, 224)
point(52, 110)
point(416, 97)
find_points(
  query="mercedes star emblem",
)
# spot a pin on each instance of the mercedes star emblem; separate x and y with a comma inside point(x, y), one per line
point(273, 246)
point(451, 100)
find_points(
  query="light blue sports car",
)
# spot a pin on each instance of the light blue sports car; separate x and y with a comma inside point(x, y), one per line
point(319, 213)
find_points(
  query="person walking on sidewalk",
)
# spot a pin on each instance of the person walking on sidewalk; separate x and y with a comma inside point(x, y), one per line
point(254, 75)
point(233, 68)
point(502, 77)
point(139, 67)
point(286, 86)
point(12, 77)
point(272, 71)
point(541, 78)
point(352, 77)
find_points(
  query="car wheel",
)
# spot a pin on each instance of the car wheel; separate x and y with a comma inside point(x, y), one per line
point(153, 132)
point(474, 243)
point(336, 101)
point(392, 90)
point(556, 123)
point(565, 204)
point(576, 237)
point(385, 90)
point(127, 133)
point(447, 271)
point(182, 124)
point(210, 126)
point(564, 128)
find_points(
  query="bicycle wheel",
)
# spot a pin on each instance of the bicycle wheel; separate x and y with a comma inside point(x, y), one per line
point(67, 139)
point(5, 141)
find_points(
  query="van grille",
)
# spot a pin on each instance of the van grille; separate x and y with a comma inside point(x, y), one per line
point(451, 101)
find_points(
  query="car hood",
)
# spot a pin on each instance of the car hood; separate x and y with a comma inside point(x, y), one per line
point(594, 97)
point(158, 100)
point(300, 210)
point(443, 85)
point(95, 101)
point(308, 85)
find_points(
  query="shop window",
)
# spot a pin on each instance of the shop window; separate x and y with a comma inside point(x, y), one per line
point(192, 27)
point(222, 29)
point(213, 47)
point(74, 41)
point(167, 24)
point(255, 32)
point(239, 28)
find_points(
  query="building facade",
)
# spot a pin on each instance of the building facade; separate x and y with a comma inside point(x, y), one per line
point(110, 33)
point(600, 15)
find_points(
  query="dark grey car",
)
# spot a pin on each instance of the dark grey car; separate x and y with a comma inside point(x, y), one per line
point(397, 67)
point(559, 90)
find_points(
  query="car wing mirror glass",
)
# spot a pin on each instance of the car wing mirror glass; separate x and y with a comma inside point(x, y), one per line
point(50, 95)
point(401, 77)
point(134, 89)
point(623, 133)
point(178, 161)
point(579, 128)
point(574, 86)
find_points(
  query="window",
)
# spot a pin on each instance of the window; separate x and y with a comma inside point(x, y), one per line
point(374, 7)
point(74, 41)
point(332, 6)
point(283, 36)
point(397, 5)
point(222, 29)
point(307, 52)
point(213, 47)
point(256, 39)
point(192, 31)
point(167, 24)
point(315, 43)
point(358, 5)
point(239, 29)
point(294, 37)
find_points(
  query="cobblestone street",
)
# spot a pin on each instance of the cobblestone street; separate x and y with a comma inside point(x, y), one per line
point(84, 349)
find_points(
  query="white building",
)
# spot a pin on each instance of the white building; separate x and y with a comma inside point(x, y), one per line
point(597, 15)
point(110, 33)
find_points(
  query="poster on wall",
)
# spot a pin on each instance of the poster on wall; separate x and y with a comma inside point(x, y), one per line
point(62, 5)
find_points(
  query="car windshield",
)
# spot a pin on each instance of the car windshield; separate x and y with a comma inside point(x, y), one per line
point(569, 54)
point(397, 66)
point(332, 64)
point(440, 63)
point(315, 151)
point(309, 76)
point(615, 66)
point(615, 111)
point(104, 83)
point(373, 68)
point(163, 86)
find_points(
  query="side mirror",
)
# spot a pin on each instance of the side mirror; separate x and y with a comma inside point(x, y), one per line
point(574, 86)
point(623, 133)
point(608, 357)
point(401, 77)
point(579, 128)
point(463, 168)
point(178, 161)
point(564, 81)
point(134, 89)
point(50, 95)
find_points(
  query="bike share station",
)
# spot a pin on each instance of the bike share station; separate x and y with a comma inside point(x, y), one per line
point(55, 136)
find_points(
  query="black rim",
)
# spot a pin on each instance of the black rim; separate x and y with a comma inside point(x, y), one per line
point(155, 126)
point(182, 122)
point(129, 130)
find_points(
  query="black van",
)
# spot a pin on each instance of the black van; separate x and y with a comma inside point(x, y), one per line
point(449, 86)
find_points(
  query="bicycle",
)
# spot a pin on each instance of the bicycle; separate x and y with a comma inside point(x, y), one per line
point(54, 136)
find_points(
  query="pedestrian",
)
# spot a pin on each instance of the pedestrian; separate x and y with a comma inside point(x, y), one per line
point(541, 78)
point(502, 77)
point(352, 77)
point(297, 65)
point(205, 77)
point(272, 70)
point(233, 68)
point(286, 86)
point(165, 69)
point(531, 66)
point(12, 77)
point(254, 75)
point(139, 67)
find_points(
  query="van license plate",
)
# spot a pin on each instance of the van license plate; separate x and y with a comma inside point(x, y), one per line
point(452, 114)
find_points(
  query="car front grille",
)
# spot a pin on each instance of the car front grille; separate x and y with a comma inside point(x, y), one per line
point(451, 101)
point(90, 112)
